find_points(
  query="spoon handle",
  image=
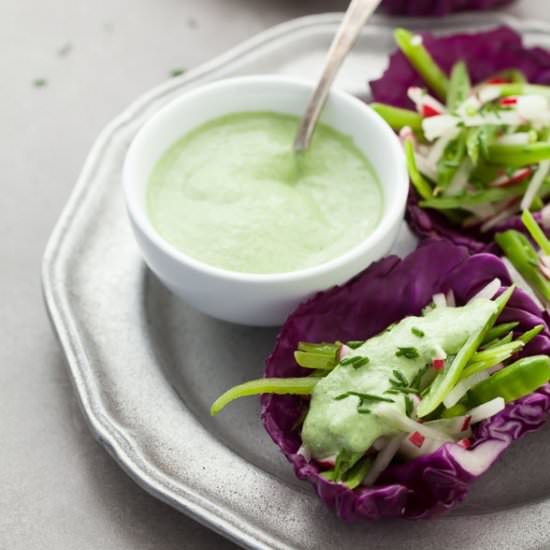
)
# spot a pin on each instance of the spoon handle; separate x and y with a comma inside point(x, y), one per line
point(354, 19)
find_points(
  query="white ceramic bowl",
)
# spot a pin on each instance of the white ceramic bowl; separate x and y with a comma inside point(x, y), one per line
point(247, 298)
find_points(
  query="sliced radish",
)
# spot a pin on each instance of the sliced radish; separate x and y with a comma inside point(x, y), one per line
point(534, 185)
point(439, 300)
point(500, 217)
point(305, 452)
point(402, 422)
point(466, 443)
point(383, 459)
point(488, 291)
point(450, 298)
point(460, 390)
point(439, 146)
point(488, 93)
point(478, 460)
point(533, 107)
point(517, 138)
point(439, 126)
point(406, 133)
point(460, 179)
point(343, 351)
point(426, 167)
point(428, 111)
point(328, 462)
point(438, 363)
point(408, 449)
point(457, 426)
point(508, 101)
point(517, 177)
point(545, 216)
point(487, 410)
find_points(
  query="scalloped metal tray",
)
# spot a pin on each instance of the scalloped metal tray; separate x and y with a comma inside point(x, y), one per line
point(146, 366)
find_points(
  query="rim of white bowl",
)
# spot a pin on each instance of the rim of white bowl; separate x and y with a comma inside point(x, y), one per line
point(389, 217)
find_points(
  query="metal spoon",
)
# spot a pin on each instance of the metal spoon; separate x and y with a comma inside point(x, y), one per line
point(354, 19)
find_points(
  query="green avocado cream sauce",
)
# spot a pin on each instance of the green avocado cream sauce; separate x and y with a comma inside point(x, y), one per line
point(333, 424)
point(231, 193)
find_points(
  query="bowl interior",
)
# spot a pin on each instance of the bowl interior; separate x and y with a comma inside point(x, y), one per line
point(342, 111)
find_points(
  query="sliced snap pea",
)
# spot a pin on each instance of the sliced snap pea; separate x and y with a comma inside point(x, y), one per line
point(459, 85)
point(524, 258)
point(451, 159)
point(291, 386)
point(535, 231)
point(517, 155)
point(398, 118)
point(499, 330)
point(513, 382)
point(422, 61)
point(312, 360)
point(445, 381)
point(420, 183)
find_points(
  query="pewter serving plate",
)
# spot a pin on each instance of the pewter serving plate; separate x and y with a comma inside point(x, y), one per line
point(146, 367)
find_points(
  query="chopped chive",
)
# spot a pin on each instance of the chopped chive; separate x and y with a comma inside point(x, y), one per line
point(361, 363)
point(408, 406)
point(400, 377)
point(177, 72)
point(408, 352)
point(417, 332)
point(354, 344)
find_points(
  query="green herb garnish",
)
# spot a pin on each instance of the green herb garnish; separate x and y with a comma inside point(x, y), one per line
point(408, 352)
point(417, 332)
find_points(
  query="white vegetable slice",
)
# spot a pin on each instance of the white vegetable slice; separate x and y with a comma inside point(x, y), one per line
point(305, 452)
point(499, 218)
point(534, 185)
point(409, 450)
point(383, 459)
point(438, 126)
point(439, 300)
point(425, 166)
point(545, 216)
point(402, 422)
point(488, 291)
point(487, 410)
point(532, 107)
point(457, 426)
point(460, 390)
point(460, 179)
point(518, 138)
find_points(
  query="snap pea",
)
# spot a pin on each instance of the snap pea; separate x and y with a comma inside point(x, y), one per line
point(398, 118)
point(535, 231)
point(459, 85)
point(498, 330)
point(291, 386)
point(517, 155)
point(445, 381)
point(451, 159)
point(526, 337)
point(420, 183)
point(499, 341)
point(473, 143)
point(504, 350)
point(422, 61)
point(513, 382)
point(312, 360)
point(524, 258)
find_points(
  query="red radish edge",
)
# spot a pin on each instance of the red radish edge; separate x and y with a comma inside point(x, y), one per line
point(428, 111)
point(465, 443)
point(508, 101)
point(466, 423)
point(417, 439)
point(438, 363)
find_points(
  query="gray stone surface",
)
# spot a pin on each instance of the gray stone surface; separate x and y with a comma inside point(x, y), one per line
point(59, 488)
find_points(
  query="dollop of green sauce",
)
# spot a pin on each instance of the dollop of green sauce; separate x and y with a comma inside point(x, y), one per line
point(234, 195)
point(333, 424)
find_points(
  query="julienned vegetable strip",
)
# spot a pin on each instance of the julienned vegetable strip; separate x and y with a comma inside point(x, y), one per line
point(445, 381)
point(459, 85)
point(499, 330)
point(480, 197)
point(412, 47)
point(421, 185)
point(524, 258)
point(398, 118)
point(519, 88)
point(513, 382)
point(535, 231)
point(292, 386)
point(518, 155)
